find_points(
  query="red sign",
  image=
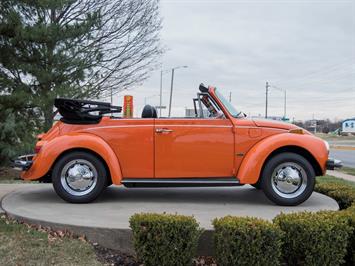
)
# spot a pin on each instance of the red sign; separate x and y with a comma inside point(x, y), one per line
point(128, 106)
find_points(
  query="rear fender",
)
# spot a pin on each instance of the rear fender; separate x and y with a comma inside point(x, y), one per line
point(51, 150)
point(252, 164)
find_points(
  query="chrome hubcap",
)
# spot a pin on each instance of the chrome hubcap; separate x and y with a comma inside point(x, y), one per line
point(289, 180)
point(79, 177)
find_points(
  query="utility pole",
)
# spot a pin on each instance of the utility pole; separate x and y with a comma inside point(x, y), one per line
point(230, 96)
point(267, 86)
point(161, 92)
point(171, 89)
point(111, 97)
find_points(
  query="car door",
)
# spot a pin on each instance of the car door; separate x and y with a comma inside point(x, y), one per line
point(190, 148)
point(132, 140)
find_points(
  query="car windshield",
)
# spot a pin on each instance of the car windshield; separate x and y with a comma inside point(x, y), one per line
point(234, 112)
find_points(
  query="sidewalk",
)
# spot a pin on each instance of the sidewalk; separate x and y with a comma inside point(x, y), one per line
point(341, 175)
point(7, 188)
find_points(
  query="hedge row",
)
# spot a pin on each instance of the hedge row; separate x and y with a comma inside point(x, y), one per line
point(247, 241)
point(322, 238)
point(345, 196)
point(163, 239)
point(314, 238)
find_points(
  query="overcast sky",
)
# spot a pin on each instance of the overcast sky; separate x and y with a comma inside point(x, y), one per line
point(305, 47)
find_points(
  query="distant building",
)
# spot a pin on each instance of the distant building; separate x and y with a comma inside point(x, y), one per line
point(276, 118)
point(348, 125)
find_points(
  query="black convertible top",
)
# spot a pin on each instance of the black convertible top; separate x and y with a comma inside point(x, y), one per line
point(80, 111)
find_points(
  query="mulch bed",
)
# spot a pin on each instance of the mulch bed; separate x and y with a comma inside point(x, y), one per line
point(7, 173)
point(114, 257)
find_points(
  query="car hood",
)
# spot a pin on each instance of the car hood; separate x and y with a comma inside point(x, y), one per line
point(274, 124)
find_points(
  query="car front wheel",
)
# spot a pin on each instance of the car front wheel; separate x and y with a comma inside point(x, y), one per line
point(79, 177)
point(288, 179)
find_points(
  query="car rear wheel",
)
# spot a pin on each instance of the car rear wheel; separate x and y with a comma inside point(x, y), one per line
point(288, 179)
point(79, 177)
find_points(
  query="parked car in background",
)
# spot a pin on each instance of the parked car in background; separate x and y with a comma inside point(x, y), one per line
point(86, 151)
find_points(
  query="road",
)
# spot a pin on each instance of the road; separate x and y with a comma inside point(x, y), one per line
point(346, 156)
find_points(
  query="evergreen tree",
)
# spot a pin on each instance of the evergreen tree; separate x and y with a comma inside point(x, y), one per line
point(70, 48)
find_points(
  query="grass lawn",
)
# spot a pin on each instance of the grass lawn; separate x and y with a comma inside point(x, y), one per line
point(348, 170)
point(334, 137)
point(335, 180)
point(21, 245)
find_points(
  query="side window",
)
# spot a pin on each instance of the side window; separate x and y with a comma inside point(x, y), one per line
point(205, 107)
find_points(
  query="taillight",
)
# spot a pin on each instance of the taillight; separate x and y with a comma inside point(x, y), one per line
point(37, 148)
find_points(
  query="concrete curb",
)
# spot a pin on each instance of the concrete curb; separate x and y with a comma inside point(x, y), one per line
point(40, 206)
point(113, 238)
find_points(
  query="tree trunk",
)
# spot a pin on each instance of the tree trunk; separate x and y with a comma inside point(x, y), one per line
point(48, 117)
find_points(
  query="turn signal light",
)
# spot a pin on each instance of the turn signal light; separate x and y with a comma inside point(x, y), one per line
point(296, 131)
point(37, 148)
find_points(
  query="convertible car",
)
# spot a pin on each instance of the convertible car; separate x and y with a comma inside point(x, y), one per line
point(90, 149)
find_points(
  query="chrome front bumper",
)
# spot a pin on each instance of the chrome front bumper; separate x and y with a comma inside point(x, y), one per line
point(333, 163)
point(23, 162)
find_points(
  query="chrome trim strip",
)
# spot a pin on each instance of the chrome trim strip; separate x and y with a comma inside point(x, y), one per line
point(181, 180)
point(157, 125)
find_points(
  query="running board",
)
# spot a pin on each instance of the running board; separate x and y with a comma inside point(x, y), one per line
point(180, 182)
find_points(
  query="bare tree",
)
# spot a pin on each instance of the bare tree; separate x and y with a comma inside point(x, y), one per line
point(74, 48)
point(127, 38)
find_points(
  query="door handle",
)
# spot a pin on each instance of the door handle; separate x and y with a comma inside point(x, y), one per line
point(163, 130)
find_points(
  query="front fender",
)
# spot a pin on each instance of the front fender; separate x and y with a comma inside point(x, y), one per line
point(51, 150)
point(251, 166)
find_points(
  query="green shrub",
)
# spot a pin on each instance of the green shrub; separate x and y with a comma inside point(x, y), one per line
point(324, 188)
point(350, 215)
point(314, 238)
point(246, 241)
point(344, 195)
point(162, 239)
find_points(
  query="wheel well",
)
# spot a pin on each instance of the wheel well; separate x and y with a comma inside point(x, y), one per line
point(82, 150)
point(298, 150)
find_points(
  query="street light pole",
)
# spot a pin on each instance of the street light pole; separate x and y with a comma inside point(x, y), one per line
point(285, 105)
point(161, 92)
point(266, 97)
point(171, 89)
point(172, 86)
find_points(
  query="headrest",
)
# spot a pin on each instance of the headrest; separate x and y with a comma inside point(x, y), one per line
point(149, 112)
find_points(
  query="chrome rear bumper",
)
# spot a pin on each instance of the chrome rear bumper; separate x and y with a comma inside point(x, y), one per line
point(333, 163)
point(23, 162)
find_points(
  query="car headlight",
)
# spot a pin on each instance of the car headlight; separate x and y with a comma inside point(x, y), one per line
point(326, 145)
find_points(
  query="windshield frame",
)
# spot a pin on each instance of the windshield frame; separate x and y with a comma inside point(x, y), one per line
point(228, 106)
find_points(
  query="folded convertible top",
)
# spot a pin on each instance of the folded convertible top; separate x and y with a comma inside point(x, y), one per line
point(83, 111)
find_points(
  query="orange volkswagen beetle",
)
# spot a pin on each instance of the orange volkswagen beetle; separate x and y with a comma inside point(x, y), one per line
point(87, 151)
